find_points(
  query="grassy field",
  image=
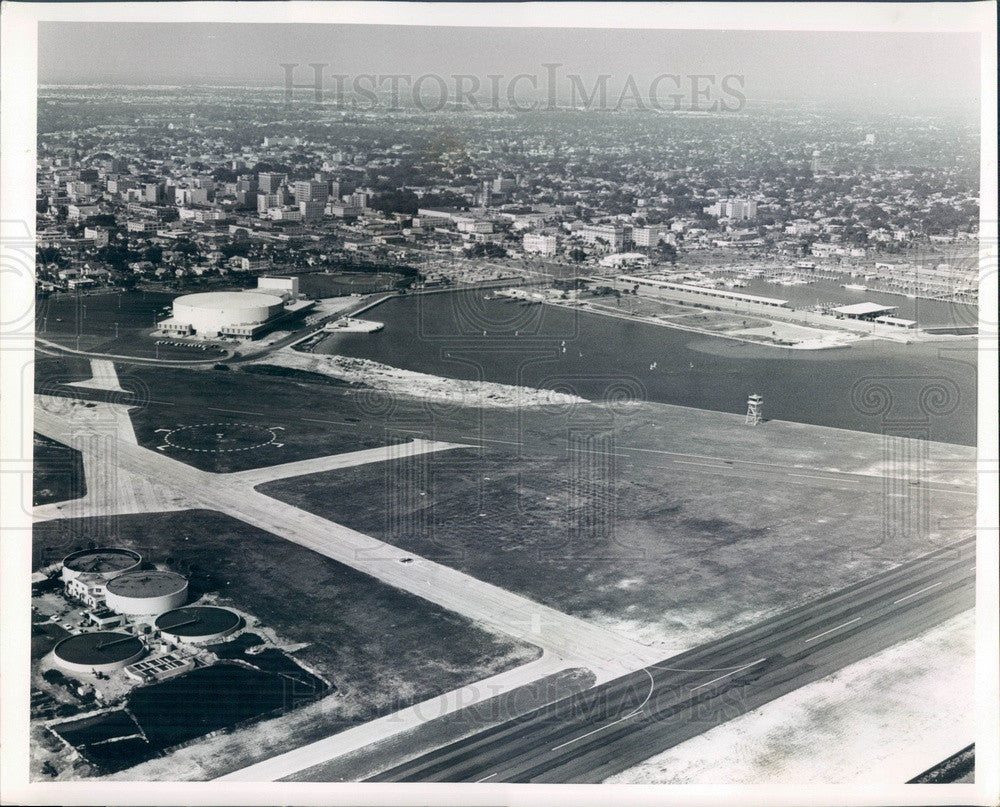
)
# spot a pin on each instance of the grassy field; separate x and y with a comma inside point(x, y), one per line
point(670, 553)
point(118, 323)
point(319, 416)
point(315, 418)
point(381, 648)
point(58, 472)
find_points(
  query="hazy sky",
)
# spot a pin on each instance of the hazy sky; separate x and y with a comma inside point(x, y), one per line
point(917, 69)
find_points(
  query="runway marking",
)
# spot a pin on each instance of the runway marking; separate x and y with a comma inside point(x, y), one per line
point(471, 439)
point(484, 778)
point(335, 422)
point(813, 476)
point(732, 672)
point(824, 633)
point(493, 440)
point(915, 593)
point(240, 411)
point(583, 736)
point(270, 430)
point(641, 706)
point(703, 464)
point(676, 453)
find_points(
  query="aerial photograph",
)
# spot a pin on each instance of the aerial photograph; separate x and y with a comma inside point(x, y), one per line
point(504, 405)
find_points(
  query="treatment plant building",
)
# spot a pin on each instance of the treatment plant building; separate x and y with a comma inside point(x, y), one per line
point(145, 593)
point(86, 573)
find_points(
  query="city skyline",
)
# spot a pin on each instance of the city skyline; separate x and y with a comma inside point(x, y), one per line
point(862, 68)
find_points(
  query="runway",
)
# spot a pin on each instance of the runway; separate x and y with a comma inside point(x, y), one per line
point(610, 728)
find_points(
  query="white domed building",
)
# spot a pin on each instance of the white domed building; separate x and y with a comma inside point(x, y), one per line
point(224, 313)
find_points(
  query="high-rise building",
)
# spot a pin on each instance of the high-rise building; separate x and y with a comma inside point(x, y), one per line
point(739, 209)
point(151, 192)
point(311, 190)
point(312, 210)
point(265, 201)
point(607, 234)
point(270, 182)
point(648, 236)
point(191, 196)
point(504, 185)
point(485, 196)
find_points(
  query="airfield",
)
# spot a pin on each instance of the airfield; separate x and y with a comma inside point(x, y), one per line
point(581, 544)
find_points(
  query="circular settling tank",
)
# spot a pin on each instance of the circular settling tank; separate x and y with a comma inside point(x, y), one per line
point(99, 651)
point(106, 561)
point(146, 593)
point(197, 623)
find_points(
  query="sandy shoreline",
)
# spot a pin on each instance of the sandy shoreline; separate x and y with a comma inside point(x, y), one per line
point(396, 381)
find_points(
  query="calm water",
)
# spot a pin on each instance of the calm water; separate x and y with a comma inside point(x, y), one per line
point(926, 312)
point(462, 335)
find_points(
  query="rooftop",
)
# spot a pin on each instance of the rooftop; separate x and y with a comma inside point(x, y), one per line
point(228, 299)
point(98, 647)
point(152, 583)
point(197, 620)
point(863, 309)
point(102, 559)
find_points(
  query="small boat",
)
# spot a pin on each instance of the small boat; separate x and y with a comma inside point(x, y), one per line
point(854, 287)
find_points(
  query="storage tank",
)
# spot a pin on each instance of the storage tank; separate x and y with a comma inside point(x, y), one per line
point(146, 593)
point(197, 624)
point(99, 651)
point(106, 561)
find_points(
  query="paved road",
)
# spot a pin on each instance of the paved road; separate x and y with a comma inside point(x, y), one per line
point(610, 728)
point(334, 462)
point(102, 376)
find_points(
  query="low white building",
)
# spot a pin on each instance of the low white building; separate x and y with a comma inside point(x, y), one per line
point(539, 244)
point(622, 259)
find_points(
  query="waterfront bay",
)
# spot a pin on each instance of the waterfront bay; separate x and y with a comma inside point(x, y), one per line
point(925, 389)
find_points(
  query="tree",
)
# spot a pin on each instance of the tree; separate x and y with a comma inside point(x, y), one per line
point(488, 250)
point(576, 254)
point(667, 251)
